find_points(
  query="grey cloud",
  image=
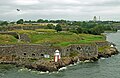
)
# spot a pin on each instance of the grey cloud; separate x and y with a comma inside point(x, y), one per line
point(57, 9)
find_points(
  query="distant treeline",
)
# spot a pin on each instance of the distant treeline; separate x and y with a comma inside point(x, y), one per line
point(88, 27)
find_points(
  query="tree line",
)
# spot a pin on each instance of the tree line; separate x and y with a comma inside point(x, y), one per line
point(88, 27)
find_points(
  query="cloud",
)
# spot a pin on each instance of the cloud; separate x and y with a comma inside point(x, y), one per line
point(59, 9)
point(26, 2)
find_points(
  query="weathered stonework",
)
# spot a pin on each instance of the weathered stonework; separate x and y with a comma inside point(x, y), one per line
point(37, 51)
point(22, 55)
point(26, 51)
point(87, 50)
point(9, 28)
point(102, 43)
point(15, 34)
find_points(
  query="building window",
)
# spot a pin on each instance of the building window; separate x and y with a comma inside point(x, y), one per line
point(71, 49)
point(42, 55)
point(24, 54)
point(33, 54)
point(78, 48)
point(67, 49)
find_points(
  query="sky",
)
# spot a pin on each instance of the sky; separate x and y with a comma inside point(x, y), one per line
point(81, 10)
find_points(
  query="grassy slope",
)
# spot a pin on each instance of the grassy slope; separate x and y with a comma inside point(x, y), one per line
point(60, 38)
point(7, 39)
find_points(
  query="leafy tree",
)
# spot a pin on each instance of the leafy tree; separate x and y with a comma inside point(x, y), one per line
point(12, 22)
point(58, 28)
point(85, 30)
point(21, 21)
point(79, 30)
point(4, 23)
point(49, 26)
point(40, 21)
point(46, 21)
point(74, 31)
point(97, 30)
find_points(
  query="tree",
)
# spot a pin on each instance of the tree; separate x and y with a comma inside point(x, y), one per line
point(79, 30)
point(49, 26)
point(4, 23)
point(40, 21)
point(12, 22)
point(58, 28)
point(73, 30)
point(21, 21)
point(97, 30)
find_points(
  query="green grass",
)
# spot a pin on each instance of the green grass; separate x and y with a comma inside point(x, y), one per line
point(84, 39)
point(102, 49)
point(64, 39)
point(45, 30)
point(23, 31)
point(53, 38)
point(7, 39)
point(58, 38)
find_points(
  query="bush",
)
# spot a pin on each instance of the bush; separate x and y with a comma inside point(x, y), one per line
point(58, 28)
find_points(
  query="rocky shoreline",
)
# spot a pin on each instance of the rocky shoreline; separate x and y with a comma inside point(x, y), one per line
point(49, 65)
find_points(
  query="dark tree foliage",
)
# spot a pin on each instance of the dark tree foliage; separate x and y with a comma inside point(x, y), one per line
point(97, 30)
point(4, 23)
point(88, 27)
point(58, 28)
point(79, 30)
point(40, 21)
point(50, 26)
point(12, 22)
point(21, 21)
point(73, 30)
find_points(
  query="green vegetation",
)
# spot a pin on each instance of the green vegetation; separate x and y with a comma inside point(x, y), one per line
point(58, 28)
point(64, 39)
point(57, 32)
point(21, 21)
point(87, 27)
point(45, 30)
point(7, 39)
point(60, 38)
point(102, 49)
point(4, 23)
point(49, 36)
point(23, 31)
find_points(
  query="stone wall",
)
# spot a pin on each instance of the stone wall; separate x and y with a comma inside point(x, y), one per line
point(102, 43)
point(86, 50)
point(23, 27)
point(15, 34)
point(117, 27)
point(27, 51)
point(24, 37)
point(38, 51)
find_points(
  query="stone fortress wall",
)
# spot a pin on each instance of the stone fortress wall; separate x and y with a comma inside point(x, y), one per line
point(9, 28)
point(38, 51)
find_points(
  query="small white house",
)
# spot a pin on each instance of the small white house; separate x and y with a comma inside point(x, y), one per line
point(46, 56)
point(57, 56)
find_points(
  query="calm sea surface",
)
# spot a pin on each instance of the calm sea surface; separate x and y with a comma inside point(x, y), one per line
point(103, 68)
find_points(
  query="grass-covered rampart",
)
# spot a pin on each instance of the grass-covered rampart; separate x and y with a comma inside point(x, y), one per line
point(41, 36)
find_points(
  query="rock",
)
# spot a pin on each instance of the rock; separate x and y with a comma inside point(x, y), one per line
point(108, 52)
